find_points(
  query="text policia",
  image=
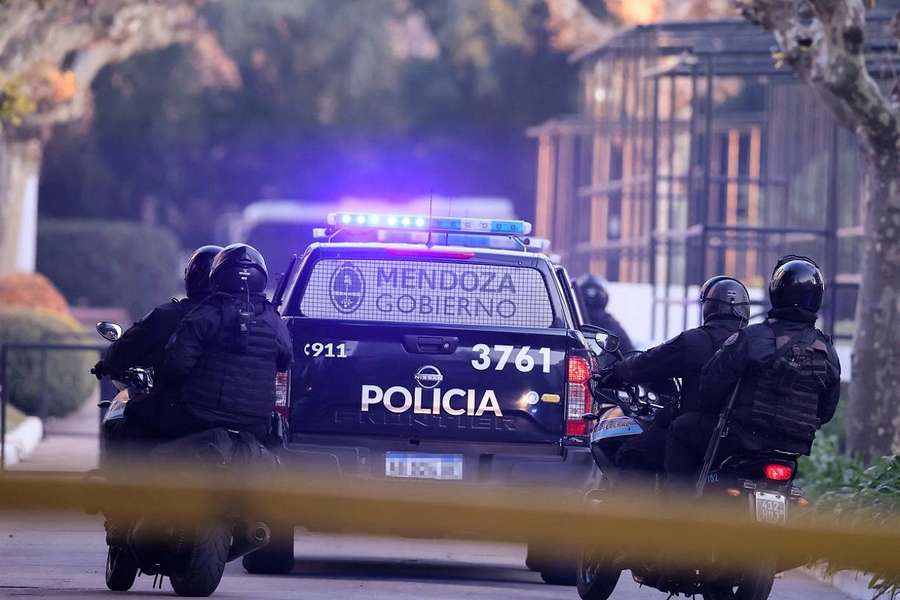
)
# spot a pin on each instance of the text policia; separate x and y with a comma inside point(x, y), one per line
point(454, 402)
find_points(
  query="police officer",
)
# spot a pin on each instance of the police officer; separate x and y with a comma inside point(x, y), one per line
point(787, 372)
point(725, 306)
point(143, 343)
point(594, 298)
point(224, 355)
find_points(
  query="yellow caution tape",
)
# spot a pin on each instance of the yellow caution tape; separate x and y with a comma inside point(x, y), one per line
point(678, 530)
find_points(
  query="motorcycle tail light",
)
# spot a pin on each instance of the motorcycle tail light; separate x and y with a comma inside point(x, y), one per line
point(282, 393)
point(578, 376)
point(776, 472)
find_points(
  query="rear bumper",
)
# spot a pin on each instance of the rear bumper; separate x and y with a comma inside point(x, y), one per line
point(569, 468)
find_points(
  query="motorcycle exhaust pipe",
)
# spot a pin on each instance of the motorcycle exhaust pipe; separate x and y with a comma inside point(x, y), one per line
point(250, 537)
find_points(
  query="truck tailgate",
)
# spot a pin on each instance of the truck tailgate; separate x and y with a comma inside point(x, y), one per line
point(428, 382)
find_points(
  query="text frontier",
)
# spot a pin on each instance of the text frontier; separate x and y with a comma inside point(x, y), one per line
point(398, 399)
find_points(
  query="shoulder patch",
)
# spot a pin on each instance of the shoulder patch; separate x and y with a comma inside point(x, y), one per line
point(731, 339)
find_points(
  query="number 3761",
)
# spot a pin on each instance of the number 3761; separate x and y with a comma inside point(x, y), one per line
point(521, 358)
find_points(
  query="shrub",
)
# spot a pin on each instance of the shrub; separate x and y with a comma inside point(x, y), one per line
point(14, 417)
point(31, 290)
point(68, 381)
point(110, 263)
point(858, 493)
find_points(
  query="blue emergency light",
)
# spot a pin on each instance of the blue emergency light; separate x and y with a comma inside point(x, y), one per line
point(373, 222)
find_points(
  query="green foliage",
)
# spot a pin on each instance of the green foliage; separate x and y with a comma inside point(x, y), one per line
point(380, 98)
point(15, 104)
point(68, 380)
point(110, 263)
point(857, 493)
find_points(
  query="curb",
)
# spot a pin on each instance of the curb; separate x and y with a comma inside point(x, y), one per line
point(21, 441)
point(854, 584)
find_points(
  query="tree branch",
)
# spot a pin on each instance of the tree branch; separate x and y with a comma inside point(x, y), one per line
point(574, 27)
point(83, 36)
point(824, 43)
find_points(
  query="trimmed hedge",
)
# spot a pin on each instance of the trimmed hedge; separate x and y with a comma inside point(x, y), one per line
point(68, 382)
point(31, 290)
point(110, 263)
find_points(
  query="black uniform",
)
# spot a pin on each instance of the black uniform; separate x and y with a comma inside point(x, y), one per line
point(601, 318)
point(790, 384)
point(143, 344)
point(683, 356)
point(223, 365)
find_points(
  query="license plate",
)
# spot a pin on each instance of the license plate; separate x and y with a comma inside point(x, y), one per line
point(771, 508)
point(418, 465)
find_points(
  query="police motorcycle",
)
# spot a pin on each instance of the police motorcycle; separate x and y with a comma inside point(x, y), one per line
point(761, 480)
point(193, 557)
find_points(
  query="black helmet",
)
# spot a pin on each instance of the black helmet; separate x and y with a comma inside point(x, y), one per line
point(723, 296)
point(593, 291)
point(196, 273)
point(239, 268)
point(797, 282)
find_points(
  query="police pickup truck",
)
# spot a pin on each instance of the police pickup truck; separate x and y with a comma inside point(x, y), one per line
point(433, 361)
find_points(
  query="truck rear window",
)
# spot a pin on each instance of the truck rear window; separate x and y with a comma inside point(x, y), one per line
point(409, 291)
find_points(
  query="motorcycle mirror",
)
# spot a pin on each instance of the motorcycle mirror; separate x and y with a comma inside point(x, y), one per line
point(109, 331)
point(607, 341)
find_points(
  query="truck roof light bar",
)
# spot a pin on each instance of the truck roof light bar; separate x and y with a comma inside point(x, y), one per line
point(356, 221)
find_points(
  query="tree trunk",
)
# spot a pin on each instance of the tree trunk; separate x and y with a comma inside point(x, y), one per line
point(20, 165)
point(873, 419)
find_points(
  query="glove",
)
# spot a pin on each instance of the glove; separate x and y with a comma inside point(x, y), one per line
point(99, 371)
point(608, 378)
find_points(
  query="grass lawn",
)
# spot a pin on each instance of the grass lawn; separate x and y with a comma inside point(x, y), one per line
point(13, 418)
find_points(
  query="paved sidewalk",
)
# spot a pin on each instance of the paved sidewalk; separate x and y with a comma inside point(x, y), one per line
point(70, 443)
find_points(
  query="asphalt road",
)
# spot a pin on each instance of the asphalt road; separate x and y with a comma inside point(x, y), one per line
point(63, 557)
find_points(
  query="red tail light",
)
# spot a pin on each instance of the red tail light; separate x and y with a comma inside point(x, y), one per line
point(282, 393)
point(779, 472)
point(578, 396)
point(579, 370)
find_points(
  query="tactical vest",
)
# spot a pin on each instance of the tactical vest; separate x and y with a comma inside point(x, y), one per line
point(784, 393)
point(234, 383)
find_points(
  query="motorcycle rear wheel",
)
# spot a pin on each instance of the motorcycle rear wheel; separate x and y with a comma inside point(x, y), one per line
point(597, 576)
point(121, 569)
point(198, 571)
point(754, 585)
point(555, 568)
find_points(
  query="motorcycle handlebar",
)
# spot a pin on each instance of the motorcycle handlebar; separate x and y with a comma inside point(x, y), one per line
point(138, 378)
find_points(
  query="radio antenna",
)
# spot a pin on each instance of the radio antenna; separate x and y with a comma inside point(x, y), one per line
point(430, 215)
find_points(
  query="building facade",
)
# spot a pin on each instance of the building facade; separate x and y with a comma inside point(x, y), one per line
point(694, 154)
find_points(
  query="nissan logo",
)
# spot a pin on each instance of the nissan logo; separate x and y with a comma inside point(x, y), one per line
point(428, 377)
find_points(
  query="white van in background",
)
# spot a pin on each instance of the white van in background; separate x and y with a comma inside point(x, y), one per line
point(281, 228)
